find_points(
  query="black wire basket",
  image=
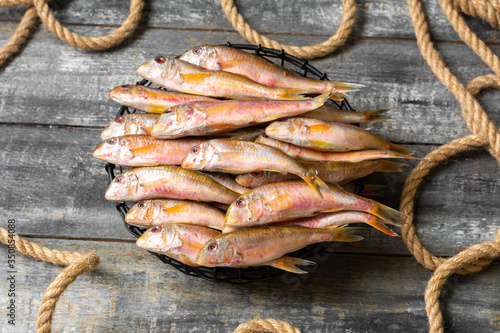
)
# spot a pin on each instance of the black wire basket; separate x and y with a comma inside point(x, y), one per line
point(249, 274)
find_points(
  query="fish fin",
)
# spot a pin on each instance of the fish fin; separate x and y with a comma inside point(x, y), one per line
point(294, 94)
point(400, 149)
point(388, 214)
point(289, 264)
point(338, 90)
point(391, 166)
point(315, 182)
point(344, 234)
point(195, 77)
point(380, 225)
point(140, 151)
point(375, 115)
point(320, 100)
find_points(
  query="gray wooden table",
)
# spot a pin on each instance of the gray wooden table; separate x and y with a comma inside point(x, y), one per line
point(53, 105)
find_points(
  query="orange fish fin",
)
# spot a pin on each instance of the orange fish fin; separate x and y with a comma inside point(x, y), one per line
point(375, 115)
point(345, 234)
point(289, 264)
point(391, 166)
point(379, 225)
point(400, 149)
point(388, 214)
point(141, 151)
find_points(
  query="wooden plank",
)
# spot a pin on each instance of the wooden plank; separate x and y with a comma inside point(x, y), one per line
point(380, 19)
point(55, 188)
point(423, 110)
point(346, 293)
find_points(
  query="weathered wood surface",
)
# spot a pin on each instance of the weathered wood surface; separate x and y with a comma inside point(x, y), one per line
point(132, 291)
point(54, 103)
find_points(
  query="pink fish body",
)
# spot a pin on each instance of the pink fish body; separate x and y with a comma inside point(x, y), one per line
point(144, 150)
point(149, 99)
point(148, 213)
point(178, 75)
point(257, 69)
point(290, 200)
point(170, 182)
point(205, 118)
point(307, 154)
point(178, 241)
point(319, 135)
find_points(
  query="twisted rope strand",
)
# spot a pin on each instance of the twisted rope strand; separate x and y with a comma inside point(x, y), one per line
point(304, 52)
point(266, 326)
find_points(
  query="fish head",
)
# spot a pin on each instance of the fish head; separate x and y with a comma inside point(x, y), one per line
point(160, 68)
point(218, 251)
point(252, 179)
point(143, 212)
point(123, 94)
point(247, 210)
point(179, 119)
point(123, 187)
point(160, 238)
point(205, 56)
point(286, 129)
point(125, 124)
point(113, 150)
point(201, 157)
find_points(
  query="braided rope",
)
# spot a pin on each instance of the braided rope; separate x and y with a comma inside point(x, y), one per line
point(266, 326)
point(41, 9)
point(304, 52)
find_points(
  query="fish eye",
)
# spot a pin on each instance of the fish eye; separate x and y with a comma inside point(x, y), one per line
point(212, 247)
point(197, 50)
point(266, 136)
point(169, 110)
point(156, 229)
point(240, 202)
point(119, 179)
point(119, 120)
point(112, 141)
point(142, 204)
point(160, 60)
point(194, 150)
point(257, 174)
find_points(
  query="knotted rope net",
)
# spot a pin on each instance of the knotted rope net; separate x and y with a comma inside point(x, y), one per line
point(485, 134)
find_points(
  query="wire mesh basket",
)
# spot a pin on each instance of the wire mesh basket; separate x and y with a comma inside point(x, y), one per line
point(249, 274)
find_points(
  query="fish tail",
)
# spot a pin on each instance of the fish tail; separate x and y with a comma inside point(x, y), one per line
point(400, 149)
point(289, 264)
point(339, 89)
point(319, 100)
point(388, 214)
point(395, 154)
point(391, 166)
point(344, 234)
point(375, 115)
point(294, 94)
point(380, 225)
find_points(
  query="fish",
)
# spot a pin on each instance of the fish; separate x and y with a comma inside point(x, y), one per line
point(178, 75)
point(330, 172)
point(331, 114)
point(238, 156)
point(323, 136)
point(260, 70)
point(181, 242)
point(133, 123)
point(208, 118)
point(144, 150)
point(227, 181)
point(307, 154)
point(167, 181)
point(150, 99)
point(338, 219)
point(262, 246)
point(247, 133)
point(147, 213)
point(284, 201)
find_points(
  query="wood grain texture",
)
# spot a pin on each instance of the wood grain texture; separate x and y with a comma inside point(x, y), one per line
point(423, 111)
point(55, 188)
point(374, 18)
point(133, 291)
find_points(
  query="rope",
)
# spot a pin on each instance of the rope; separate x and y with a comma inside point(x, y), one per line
point(304, 52)
point(41, 9)
point(485, 134)
point(266, 326)
point(78, 264)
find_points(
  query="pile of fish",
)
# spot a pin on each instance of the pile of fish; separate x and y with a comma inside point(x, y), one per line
point(203, 126)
